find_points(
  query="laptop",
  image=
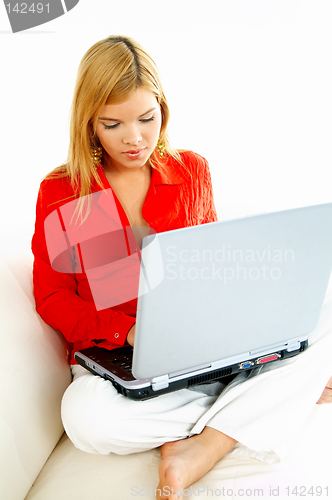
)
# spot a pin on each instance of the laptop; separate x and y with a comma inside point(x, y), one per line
point(222, 298)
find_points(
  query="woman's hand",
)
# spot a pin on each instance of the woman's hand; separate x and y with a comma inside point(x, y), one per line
point(131, 336)
point(326, 397)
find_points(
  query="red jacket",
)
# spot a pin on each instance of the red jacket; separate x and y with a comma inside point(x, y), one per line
point(64, 299)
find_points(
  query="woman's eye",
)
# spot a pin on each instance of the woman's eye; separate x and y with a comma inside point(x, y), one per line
point(115, 125)
point(111, 126)
point(145, 120)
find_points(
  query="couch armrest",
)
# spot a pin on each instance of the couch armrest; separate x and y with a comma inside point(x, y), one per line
point(34, 373)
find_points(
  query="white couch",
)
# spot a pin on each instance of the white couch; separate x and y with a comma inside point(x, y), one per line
point(38, 462)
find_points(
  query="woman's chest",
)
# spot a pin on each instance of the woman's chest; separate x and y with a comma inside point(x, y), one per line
point(132, 202)
point(131, 194)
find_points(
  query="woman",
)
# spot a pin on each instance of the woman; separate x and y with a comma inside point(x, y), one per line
point(119, 143)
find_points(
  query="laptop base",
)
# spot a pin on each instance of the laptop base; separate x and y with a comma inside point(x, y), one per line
point(115, 366)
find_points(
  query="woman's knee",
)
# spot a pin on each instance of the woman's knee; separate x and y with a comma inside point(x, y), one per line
point(89, 414)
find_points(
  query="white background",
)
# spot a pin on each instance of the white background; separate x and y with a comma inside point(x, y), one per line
point(249, 84)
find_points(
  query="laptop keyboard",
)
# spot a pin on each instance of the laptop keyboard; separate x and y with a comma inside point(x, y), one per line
point(124, 361)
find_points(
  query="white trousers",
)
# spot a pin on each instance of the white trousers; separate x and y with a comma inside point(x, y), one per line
point(263, 413)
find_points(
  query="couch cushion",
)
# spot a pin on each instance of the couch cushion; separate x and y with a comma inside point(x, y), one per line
point(34, 373)
point(70, 473)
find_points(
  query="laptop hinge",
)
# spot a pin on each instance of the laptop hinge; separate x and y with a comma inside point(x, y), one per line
point(293, 346)
point(159, 383)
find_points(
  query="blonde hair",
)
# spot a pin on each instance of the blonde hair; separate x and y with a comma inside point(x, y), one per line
point(109, 73)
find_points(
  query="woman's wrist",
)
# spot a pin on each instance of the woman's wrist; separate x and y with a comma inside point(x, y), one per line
point(131, 335)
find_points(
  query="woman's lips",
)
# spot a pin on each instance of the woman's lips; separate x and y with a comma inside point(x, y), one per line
point(134, 153)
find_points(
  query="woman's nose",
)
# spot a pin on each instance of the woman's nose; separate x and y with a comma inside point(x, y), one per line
point(132, 135)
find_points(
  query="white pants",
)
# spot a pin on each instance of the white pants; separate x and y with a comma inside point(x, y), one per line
point(263, 413)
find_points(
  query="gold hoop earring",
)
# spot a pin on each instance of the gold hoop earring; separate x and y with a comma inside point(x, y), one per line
point(97, 154)
point(161, 149)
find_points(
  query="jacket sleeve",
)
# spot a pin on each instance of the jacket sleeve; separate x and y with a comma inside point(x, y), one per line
point(58, 302)
point(199, 190)
point(209, 209)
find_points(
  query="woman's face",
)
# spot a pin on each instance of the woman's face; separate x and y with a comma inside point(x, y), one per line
point(129, 131)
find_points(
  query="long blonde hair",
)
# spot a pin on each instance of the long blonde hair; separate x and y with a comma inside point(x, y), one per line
point(109, 73)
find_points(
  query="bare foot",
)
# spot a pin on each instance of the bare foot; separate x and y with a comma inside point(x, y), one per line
point(187, 460)
point(326, 397)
